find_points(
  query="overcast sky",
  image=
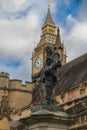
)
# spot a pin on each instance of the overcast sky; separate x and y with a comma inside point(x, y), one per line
point(20, 29)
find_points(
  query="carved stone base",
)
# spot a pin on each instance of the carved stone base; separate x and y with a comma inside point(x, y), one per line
point(47, 117)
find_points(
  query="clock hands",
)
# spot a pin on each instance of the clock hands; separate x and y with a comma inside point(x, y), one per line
point(37, 62)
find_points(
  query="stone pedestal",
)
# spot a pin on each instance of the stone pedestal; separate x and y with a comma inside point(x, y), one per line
point(47, 118)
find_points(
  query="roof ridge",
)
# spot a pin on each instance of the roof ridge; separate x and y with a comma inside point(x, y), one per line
point(75, 59)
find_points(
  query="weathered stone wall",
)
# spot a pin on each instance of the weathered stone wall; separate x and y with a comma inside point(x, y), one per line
point(19, 95)
point(4, 81)
point(19, 99)
point(4, 124)
point(77, 92)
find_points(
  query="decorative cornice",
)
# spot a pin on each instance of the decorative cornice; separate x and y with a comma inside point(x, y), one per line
point(14, 89)
point(19, 90)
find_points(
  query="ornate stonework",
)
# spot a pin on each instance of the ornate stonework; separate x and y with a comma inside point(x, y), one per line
point(4, 108)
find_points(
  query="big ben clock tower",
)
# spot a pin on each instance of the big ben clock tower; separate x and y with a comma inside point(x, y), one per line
point(50, 36)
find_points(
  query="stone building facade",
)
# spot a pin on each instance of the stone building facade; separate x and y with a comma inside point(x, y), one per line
point(15, 97)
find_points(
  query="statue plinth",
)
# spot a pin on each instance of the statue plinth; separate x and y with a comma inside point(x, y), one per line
point(46, 117)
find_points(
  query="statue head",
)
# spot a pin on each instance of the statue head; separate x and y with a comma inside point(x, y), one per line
point(49, 50)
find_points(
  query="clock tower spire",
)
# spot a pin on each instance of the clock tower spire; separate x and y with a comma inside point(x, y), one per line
point(49, 25)
point(50, 36)
point(49, 20)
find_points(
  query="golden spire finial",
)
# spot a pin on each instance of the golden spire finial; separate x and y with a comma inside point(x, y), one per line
point(48, 3)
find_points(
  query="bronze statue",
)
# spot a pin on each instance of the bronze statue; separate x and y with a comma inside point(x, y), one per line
point(37, 94)
point(48, 74)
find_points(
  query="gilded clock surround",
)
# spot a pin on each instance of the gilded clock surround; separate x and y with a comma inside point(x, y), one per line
point(38, 62)
point(37, 65)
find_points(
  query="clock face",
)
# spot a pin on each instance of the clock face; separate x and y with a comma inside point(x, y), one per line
point(38, 63)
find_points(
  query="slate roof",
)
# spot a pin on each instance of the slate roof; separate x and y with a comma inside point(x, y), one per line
point(72, 74)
